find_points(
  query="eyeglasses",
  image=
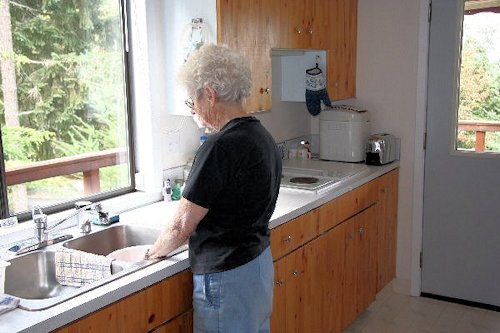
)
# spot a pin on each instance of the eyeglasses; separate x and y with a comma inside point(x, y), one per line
point(189, 103)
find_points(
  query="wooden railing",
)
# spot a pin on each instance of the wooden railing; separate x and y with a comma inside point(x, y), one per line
point(89, 164)
point(480, 127)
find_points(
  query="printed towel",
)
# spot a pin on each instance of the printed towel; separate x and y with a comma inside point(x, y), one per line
point(78, 268)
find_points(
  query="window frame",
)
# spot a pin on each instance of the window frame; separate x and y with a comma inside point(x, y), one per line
point(129, 109)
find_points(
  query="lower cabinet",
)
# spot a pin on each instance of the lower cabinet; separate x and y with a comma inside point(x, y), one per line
point(360, 270)
point(143, 311)
point(324, 284)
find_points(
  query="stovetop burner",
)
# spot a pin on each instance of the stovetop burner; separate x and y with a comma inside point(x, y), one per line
point(304, 180)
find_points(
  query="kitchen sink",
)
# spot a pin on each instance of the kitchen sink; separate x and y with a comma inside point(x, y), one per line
point(31, 277)
point(113, 238)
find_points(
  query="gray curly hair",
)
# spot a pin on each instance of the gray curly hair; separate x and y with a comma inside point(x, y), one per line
point(219, 67)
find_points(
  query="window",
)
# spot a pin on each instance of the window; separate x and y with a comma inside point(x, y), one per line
point(64, 115)
point(478, 127)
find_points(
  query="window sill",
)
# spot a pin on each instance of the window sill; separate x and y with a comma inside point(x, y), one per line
point(116, 205)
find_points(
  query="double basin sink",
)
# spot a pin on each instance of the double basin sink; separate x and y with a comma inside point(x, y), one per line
point(32, 277)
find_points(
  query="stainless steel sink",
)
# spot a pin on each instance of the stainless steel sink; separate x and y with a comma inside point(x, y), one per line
point(31, 277)
point(113, 238)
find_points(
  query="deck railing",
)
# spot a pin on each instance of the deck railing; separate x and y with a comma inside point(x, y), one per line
point(480, 127)
point(88, 163)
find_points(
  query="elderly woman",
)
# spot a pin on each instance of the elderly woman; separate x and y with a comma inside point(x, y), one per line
point(228, 199)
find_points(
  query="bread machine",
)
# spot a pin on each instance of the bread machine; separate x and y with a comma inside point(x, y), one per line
point(343, 131)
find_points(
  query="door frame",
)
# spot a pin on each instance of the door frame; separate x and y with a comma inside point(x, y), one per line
point(419, 162)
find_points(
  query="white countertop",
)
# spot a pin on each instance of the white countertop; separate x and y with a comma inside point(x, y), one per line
point(291, 203)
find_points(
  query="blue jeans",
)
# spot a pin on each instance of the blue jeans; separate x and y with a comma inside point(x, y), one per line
point(238, 300)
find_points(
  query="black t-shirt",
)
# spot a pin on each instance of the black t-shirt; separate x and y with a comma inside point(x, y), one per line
point(236, 174)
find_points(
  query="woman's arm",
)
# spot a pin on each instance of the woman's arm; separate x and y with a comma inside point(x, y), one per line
point(178, 230)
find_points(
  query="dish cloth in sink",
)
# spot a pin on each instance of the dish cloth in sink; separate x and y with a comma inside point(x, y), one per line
point(78, 268)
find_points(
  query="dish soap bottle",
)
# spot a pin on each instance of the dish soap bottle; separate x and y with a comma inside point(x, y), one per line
point(176, 191)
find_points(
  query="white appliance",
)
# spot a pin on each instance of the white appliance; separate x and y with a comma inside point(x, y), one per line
point(343, 131)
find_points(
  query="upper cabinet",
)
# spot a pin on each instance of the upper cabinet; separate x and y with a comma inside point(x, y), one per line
point(250, 26)
point(254, 27)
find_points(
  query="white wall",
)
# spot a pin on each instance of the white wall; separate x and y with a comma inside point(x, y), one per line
point(391, 67)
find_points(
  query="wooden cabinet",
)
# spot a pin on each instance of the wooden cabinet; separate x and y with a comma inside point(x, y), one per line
point(332, 271)
point(360, 270)
point(250, 27)
point(387, 213)
point(142, 311)
point(255, 27)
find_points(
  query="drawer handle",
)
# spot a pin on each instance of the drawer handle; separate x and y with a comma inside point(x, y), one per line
point(279, 283)
point(296, 273)
point(287, 239)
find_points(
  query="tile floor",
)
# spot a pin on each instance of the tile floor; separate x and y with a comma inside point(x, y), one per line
point(396, 313)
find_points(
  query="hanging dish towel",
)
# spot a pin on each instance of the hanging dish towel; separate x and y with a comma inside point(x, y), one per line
point(78, 268)
point(316, 91)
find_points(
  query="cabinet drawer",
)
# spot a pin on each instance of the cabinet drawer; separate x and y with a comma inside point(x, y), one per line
point(293, 234)
point(358, 199)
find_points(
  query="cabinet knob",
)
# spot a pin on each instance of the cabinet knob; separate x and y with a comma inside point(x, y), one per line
point(310, 30)
point(299, 30)
point(265, 90)
point(296, 273)
point(361, 230)
point(279, 283)
point(287, 239)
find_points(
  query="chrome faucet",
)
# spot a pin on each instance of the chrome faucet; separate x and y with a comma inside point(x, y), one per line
point(41, 226)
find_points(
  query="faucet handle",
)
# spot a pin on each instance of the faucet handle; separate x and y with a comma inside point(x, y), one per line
point(38, 216)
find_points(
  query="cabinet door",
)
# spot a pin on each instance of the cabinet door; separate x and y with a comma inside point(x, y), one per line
point(288, 309)
point(387, 228)
point(250, 27)
point(297, 23)
point(339, 37)
point(333, 278)
point(360, 264)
